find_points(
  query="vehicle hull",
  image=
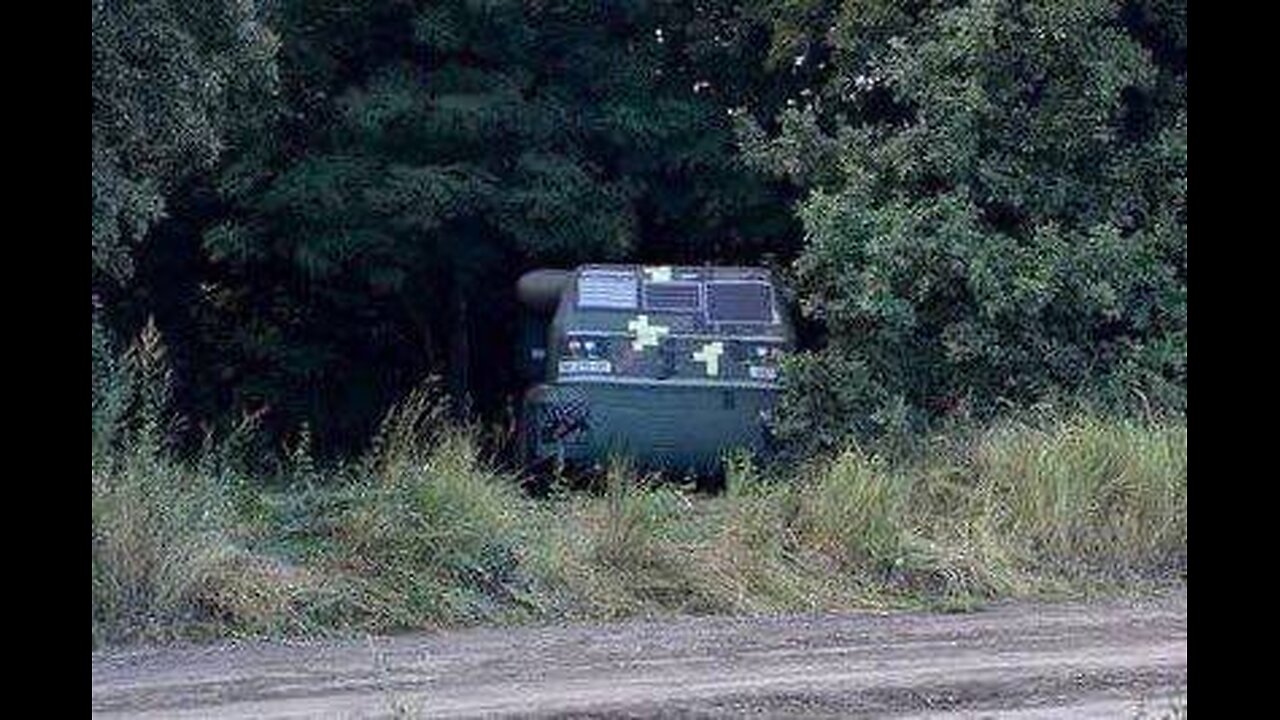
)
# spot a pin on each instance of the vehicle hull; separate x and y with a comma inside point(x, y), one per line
point(675, 426)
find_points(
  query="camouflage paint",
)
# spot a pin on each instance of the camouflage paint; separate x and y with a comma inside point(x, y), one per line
point(674, 369)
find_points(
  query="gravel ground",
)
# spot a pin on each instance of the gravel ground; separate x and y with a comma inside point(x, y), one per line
point(1123, 659)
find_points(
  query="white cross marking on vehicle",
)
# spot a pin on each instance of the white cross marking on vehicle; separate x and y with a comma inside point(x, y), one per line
point(646, 335)
point(710, 354)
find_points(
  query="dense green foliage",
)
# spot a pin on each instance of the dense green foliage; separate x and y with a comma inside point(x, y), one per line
point(424, 156)
point(302, 209)
point(171, 81)
point(996, 209)
point(980, 205)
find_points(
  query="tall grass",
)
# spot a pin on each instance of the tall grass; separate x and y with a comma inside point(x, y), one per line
point(1107, 495)
point(853, 509)
point(433, 536)
point(425, 531)
point(622, 549)
point(168, 555)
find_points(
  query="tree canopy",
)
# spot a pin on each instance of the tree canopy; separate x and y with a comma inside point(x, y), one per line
point(170, 82)
point(978, 203)
point(996, 209)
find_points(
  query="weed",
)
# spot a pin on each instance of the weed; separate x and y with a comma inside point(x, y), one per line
point(424, 531)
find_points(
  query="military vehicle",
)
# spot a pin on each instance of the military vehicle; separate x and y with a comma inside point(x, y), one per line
point(670, 366)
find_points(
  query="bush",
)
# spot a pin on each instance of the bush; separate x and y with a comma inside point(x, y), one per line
point(997, 215)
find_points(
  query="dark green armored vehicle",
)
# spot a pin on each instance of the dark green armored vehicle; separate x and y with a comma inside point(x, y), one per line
point(671, 366)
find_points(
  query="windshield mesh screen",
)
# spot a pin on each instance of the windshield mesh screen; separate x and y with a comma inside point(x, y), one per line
point(739, 302)
point(614, 289)
point(671, 297)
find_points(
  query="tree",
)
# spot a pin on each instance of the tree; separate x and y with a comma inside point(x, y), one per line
point(168, 78)
point(431, 154)
point(996, 209)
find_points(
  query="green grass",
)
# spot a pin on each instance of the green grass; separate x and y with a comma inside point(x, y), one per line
point(1092, 493)
point(423, 532)
point(171, 558)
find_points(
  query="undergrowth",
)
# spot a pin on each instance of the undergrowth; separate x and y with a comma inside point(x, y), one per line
point(424, 531)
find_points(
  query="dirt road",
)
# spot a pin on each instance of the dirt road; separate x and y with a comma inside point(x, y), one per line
point(1115, 659)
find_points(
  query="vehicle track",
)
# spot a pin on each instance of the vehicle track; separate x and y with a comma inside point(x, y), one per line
point(1115, 659)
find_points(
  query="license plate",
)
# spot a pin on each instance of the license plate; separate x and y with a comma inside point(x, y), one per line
point(762, 372)
point(574, 367)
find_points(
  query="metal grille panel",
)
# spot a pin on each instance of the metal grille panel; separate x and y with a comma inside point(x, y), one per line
point(610, 289)
point(739, 302)
point(672, 297)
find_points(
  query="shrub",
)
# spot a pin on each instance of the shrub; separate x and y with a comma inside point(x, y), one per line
point(997, 215)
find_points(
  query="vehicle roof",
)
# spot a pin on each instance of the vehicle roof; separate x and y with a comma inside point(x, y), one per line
point(688, 299)
point(664, 321)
